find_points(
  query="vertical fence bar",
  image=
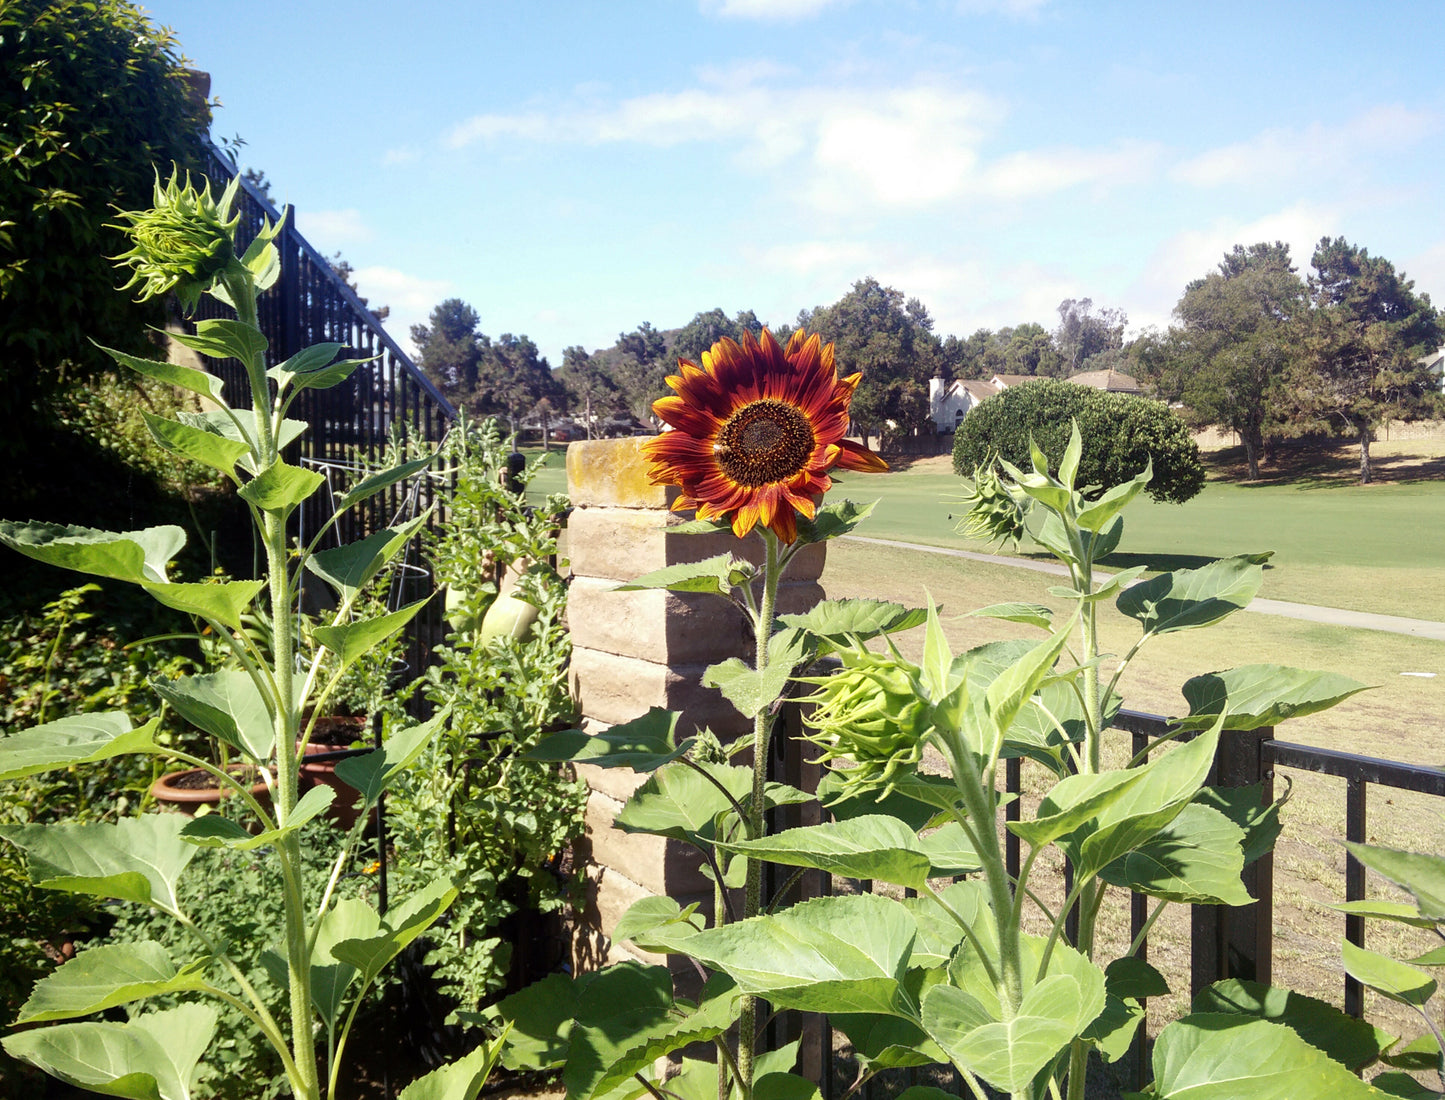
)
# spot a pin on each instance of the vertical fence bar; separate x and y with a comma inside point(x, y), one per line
point(1355, 811)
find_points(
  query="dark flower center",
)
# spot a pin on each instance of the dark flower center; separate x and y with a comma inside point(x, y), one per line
point(765, 442)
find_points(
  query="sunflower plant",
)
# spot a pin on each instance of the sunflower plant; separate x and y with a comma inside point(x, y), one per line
point(955, 972)
point(327, 951)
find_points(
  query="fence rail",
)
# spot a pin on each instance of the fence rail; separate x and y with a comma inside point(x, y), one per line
point(1225, 942)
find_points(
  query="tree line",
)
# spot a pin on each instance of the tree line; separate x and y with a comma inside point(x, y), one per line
point(1254, 348)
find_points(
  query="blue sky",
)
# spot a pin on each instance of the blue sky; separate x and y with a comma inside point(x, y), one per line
point(574, 169)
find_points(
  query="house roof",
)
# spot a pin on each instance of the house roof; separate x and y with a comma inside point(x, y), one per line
point(1003, 381)
point(1112, 381)
point(975, 388)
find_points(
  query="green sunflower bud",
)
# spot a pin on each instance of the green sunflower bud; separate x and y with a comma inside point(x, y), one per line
point(996, 509)
point(872, 716)
point(183, 243)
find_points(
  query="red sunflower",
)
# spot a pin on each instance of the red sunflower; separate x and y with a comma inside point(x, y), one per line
point(757, 430)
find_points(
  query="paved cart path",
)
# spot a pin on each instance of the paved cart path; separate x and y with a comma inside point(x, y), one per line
point(1334, 616)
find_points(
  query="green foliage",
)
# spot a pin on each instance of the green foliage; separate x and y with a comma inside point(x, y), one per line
point(495, 824)
point(1122, 435)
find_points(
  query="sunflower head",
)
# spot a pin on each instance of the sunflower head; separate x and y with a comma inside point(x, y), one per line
point(183, 243)
point(756, 429)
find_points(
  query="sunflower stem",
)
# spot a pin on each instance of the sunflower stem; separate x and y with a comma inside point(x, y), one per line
point(762, 725)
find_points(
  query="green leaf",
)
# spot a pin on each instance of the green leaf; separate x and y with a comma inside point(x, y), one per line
point(1400, 912)
point(215, 831)
point(1396, 980)
point(867, 847)
point(459, 1080)
point(348, 568)
point(109, 975)
point(135, 859)
point(373, 772)
point(153, 1057)
point(1189, 598)
point(887, 1042)
point(374, 484)
point(1420, 1053)
point(833, 520)
point(1217, 1056)
point(1353, 1043)
point(1420, 874)
point(351, 641)
point(1030, 614)
point(332, 977)
point(677, 802)
point(969, 1024)
point(1245, 806)
point(135, 556)
point(1196, 859)
point(838, 621)
point(225, 704)
point(538, 1019)
point(1011, 690)
point(224, 603)
point(224, 338)
point(648, 914)
point(77, 739)
point(750, 690)
point(844, 800)
point(835, 954)
point(1262, 695)
point(198, 437)
point(939, 931)
point(1098, 515)
point(281, 487)
point(1402, 1084)
point(312, 369)
point(718, 575)
point(643, 744)
point(172, 374)
point(937, 661)
point(400, 926)
point(1073, 451)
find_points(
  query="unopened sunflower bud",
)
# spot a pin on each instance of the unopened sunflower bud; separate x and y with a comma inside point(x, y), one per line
point(183, 243)
point(996, 511)
point(871, 716)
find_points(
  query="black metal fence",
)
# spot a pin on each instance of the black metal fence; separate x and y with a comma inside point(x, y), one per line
point(1225, 941)
point(351, 425)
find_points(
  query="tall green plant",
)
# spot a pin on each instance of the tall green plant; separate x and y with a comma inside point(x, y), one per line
point(328, 951)
point(952, 975)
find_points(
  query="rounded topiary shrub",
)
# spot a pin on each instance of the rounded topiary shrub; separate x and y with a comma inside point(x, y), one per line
point(1121, 433)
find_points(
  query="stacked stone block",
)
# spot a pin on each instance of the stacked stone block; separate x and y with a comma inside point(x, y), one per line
point(635, 650)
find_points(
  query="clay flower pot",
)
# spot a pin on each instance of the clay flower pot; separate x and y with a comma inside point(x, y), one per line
point(187, 791)
point(329, 735)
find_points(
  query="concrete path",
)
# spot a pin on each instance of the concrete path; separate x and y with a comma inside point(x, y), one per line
point(1332, 616)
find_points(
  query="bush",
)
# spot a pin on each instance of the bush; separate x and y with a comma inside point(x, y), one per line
point(1121, 433)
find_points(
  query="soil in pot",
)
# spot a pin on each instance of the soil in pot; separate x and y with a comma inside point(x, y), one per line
point(187, 791)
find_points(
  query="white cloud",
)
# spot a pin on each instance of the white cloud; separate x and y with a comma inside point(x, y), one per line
point(1427, 268)
point(779, 10)
point(1286, 154)
point(333, 229)
point(1038, 172)
point(410, 297)
point(405, 154)
point(1016, 9)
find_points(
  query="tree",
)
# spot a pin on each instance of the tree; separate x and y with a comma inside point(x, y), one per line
point(1030, 350)
point(1235, 342)
point(1083, 332)
point(706, 329)
point(640, 364)
point(94, 101)
point(449, 350)
point(1360, 359)
point(1122, 433)
point(589, 385)
point(874, 329)
point(517, 378)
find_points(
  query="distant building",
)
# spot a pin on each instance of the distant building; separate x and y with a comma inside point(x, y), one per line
point(1435, 362)
point(950, 402)
point(1110, 381)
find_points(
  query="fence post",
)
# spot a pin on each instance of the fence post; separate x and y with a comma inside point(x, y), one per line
point(1237, 941)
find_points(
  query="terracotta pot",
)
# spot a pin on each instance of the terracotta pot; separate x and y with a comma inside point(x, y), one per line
point(193, 788)
point(328, 735)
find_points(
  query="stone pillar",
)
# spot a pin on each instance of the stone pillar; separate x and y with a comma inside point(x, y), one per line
point(636, 650)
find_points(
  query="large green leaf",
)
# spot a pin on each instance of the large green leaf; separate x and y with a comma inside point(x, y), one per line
point(1396, 980)
point(347, 568)
point(459, 1080)
point(135, 859)
point(1029, 614)
point(1420, 874)
point(1196, 858)
point(332, 977)
point(1010, 691)
point(1218, 1056)
point(374, 484)
point(153, 1057)
point(968, 1022)
point(77, 739)
point(1189, 598)
point(224, 338)
point(281, 487)
point(1262, 695)
point(312, 369)
point(199, 437)
point(224, 603)
point(243, 429)
point(1245, 806)
point(351, 641)
point(833, 520)
point(1098, 515)
point(538, 1019)
point(1126, 981)
point(939, 929)
point(647, 915)
point(837, 954)
point(643, 744)
point(871, 846)
point(109, 975)
point(196, 381)
point(373, 772)
point(678, 802)
point(887, 1042)
point(135, 556)
point(718, 575)
point(401, 925)
point(751, 690)
point(838, 621)
point(225, 704)
point(843, 799)
point(1353, 1043)
point(215, 831)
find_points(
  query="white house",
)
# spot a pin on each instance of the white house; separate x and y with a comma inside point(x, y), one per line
point(950, 402)
point(1435, 362)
